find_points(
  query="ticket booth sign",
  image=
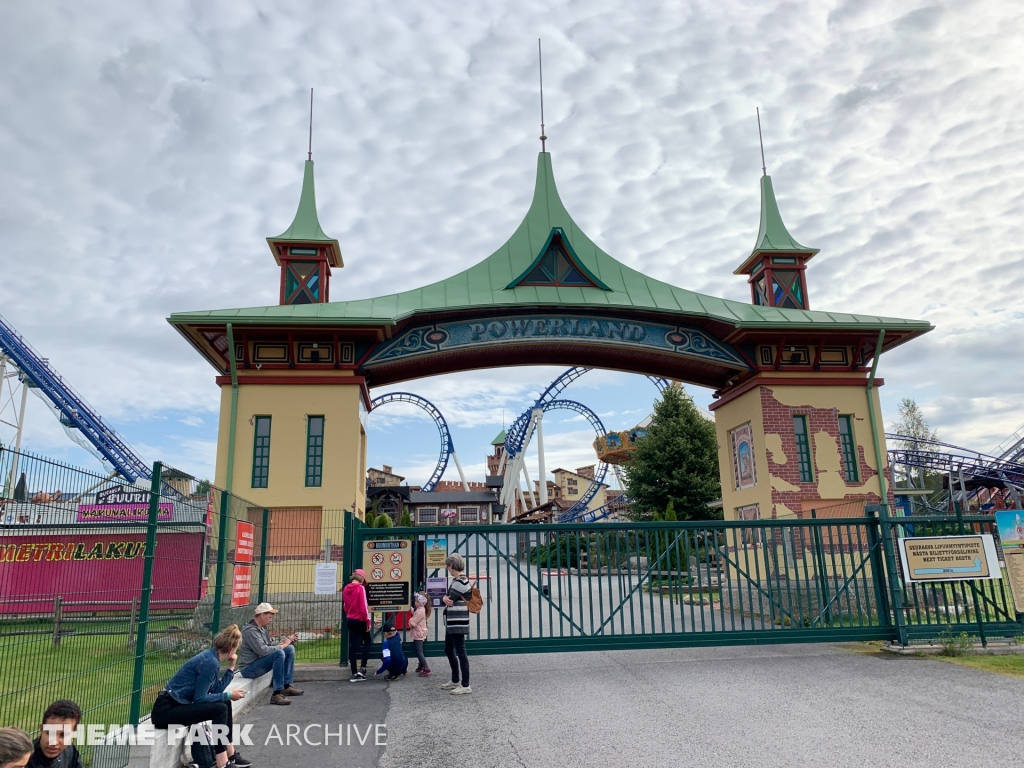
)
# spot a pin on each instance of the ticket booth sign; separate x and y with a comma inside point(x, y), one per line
point(388, 568)
point(949, 558)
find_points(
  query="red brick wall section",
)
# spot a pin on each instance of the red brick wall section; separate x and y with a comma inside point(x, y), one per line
point(778, 419)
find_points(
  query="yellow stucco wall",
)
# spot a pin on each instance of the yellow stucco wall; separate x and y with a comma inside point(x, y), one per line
point(344, 459)
point(736, 413)
point(829, 483)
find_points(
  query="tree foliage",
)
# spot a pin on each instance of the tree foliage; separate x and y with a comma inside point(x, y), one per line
point(913, 424)
point(675, 464)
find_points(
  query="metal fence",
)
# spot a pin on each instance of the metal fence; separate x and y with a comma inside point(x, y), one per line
point(107, 587)
point(576, 586)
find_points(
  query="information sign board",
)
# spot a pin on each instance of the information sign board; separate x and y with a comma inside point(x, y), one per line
point(949, 558)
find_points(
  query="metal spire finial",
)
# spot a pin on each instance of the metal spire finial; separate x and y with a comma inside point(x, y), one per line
point(540, 66)
point(764, 170)
point(310, 155)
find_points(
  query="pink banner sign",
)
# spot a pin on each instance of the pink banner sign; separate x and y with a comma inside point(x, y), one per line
point(96, 571)
point(122, 513)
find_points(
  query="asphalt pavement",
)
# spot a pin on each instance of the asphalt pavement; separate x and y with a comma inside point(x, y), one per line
point(760, 706)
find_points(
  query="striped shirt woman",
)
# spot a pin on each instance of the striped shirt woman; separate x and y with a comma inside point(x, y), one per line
point(456, 625)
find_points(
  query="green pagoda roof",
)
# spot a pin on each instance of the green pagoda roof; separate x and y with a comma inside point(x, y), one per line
point(500, 439)
point(486, 284)
point(772, 235)
point(305, 228)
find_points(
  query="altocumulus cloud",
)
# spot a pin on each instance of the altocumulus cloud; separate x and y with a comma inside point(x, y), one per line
point(147, 151)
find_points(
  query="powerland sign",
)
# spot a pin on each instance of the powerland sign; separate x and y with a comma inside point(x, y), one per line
point(568, 329)
point(106, 567)
point(121, 504)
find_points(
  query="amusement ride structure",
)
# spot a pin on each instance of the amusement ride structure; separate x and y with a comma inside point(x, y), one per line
point(22, 367)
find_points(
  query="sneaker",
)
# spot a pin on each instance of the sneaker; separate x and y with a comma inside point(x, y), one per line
point(461, 689)
point(393, 677)
point(280, 698)
point(425, 672)
point(358, 677)
point(291, 690)
point(449, 686)
point(239, 761)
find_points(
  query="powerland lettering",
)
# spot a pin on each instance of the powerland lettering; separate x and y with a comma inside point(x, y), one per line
point(547, 327)
point(71, 551)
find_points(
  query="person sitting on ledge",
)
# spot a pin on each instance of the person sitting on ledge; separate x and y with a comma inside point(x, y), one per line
point(50, 749)
point(257, 655)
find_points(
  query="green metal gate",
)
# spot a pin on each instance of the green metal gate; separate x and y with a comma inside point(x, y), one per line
point(599, 586)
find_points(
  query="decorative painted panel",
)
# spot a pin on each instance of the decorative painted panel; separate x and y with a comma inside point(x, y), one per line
point(744, 474)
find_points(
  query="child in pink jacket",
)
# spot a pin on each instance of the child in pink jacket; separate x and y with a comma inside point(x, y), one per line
point(418, 630)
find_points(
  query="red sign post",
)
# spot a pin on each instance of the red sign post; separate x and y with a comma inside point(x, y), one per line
point(245, 544)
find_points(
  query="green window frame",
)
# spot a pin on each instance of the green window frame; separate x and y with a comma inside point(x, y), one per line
point(261, 452)
point(849, 449)
point(314, 451)
point(803, 449)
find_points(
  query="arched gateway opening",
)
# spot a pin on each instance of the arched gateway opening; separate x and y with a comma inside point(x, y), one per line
point(796, 409)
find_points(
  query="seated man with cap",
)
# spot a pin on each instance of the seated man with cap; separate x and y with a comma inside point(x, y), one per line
point(257, 655)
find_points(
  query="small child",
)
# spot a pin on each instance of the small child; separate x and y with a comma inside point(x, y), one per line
point(393, 659)
point(418, 631)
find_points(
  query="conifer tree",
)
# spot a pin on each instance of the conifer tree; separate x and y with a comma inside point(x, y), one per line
point(675, 463)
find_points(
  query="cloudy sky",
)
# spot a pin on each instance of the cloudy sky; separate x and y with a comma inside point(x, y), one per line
point(146, 151)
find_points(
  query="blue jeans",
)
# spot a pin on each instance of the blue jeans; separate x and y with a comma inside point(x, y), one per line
point(281, 661)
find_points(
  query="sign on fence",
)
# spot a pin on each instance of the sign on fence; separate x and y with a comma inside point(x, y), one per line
point(437, 551)
point(241, 582)
point(326, 581)
point(241, 586)
point(1010, 524)
point(949, 558)
point(388, 567)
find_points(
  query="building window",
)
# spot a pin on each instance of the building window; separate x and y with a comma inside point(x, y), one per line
point(314, 451)
point(803, 449)
point(468, 514)
point(849, 449)
point(261, 453)
point(427, 516)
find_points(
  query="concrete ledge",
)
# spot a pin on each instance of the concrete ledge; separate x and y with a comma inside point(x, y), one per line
point(1000, 648)
point(163, 755)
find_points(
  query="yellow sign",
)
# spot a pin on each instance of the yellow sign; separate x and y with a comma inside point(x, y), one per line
point(949, 558)
point(388, 568)
point(437, 551)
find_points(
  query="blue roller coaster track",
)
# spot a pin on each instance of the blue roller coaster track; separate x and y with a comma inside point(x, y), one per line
point(447, 444)
point(516, 436)
point(74, 411)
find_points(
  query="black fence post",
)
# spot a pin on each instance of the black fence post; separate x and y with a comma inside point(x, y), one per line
point(222, 546)
point(263, 555)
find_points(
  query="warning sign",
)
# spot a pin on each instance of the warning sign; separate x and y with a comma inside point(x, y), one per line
point(388, 568)
point(949, 558)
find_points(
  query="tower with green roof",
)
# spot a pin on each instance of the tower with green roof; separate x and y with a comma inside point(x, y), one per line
point(304, 252)
point(776, 266)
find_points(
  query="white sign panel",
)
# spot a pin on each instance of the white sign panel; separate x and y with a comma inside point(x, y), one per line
point(326, 582)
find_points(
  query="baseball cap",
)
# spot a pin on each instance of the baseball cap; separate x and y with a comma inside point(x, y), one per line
point(360, 572)
point(388, 627)
point(264, 608)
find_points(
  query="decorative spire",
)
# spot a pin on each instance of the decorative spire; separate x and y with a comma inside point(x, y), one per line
point(305, 228)
point(772, 235)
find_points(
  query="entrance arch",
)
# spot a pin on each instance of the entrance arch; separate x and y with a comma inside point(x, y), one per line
point(783, 376)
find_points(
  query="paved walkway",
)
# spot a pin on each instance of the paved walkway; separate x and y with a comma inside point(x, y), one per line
point(745, 706)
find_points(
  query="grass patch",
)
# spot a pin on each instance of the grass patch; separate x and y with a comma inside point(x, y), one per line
point(1011, 666)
